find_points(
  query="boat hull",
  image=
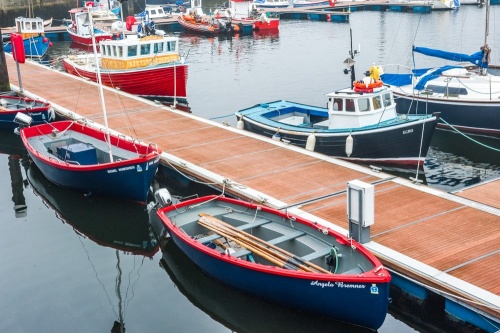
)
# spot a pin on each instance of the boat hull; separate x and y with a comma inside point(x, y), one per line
point(39, 111)
point(127, 178)
point(480, 118)
point(272, 23)
point(203, 28)
point(357, 299)
point(87, 40)
point(162, 80)
point(404, 143)
point(298, 4)
point(34, 47)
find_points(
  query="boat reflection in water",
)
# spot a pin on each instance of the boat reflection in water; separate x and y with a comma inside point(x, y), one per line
point(236, 310)
point(18, 157)
point(125, 229)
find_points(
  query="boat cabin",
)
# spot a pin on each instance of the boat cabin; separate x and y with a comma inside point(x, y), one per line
point(152, 12)
point(80, 21)
point(134, 52)
point(28, 27)
point(350, 109)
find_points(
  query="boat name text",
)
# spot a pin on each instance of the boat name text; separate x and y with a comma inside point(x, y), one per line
point(329, 284)
point(122, 169)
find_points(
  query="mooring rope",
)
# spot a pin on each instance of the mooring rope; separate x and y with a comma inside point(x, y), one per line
point(468, 137)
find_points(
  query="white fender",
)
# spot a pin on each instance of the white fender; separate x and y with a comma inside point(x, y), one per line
point(117, 25)
point(311, 142)
point(240, 124)
point(349, 142)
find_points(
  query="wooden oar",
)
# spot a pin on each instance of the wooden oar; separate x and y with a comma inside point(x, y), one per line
point(256, 250)
point(291, 255)
point(240, 236)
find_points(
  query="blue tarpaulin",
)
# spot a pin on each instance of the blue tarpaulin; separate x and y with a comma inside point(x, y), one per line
point(399, 80)
point(475, 58)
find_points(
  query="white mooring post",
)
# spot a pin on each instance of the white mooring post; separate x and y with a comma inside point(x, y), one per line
point(360, 209)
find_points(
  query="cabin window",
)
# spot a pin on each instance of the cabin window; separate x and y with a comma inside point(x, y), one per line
point(39, 26)
point(338, 104)
point(387, 99)
point(105, 50)
point(377, 102)
point(447, 90)
point(171, 46)
point(153, 11)
point(363, 104)
point(132, 50)
point(145, 49)
point(349, 105)
point(158, 47)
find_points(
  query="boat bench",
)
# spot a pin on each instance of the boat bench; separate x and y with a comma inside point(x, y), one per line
point(281, 239)
point(317, 254)
point(247, 226)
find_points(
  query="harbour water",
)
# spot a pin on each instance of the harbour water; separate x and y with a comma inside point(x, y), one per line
point(79, 263)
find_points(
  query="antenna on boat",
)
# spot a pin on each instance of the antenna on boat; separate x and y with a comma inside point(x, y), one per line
point(99, 82)
point(349, 62)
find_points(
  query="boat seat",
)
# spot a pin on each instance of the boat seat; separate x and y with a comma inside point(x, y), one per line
point(356, 270)
point(317, 254)
point(281, 239)
point(247, 226)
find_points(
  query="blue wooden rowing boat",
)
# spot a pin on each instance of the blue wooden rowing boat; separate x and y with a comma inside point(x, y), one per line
point(276, 255)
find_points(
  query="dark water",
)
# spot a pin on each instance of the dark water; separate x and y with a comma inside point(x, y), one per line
point(72, 263)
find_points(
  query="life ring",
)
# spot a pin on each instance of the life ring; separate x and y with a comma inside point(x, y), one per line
point(89, 4)
point(361, 85)
point(332, 3)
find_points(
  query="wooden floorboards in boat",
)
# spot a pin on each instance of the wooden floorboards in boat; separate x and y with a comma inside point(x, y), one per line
point(426, 225)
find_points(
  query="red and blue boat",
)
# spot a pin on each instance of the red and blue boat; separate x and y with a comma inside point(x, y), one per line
point(32, 32)
point(276, 255)
point(11, 105)
point(77, 156)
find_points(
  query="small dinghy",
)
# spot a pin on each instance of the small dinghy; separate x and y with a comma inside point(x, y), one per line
point(276, 255)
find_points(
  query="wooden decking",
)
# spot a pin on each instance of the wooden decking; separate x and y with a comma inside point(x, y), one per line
point(450, 242)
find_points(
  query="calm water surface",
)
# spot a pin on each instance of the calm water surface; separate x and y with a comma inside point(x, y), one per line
point(72, 263)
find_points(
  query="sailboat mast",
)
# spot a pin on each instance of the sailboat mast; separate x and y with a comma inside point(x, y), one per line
point(487, 22)
point(99, 83)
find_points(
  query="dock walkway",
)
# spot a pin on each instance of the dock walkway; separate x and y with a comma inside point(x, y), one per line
point(448, 242)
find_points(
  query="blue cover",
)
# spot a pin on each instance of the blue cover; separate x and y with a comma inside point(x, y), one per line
point(399, 80)
point(475, 58)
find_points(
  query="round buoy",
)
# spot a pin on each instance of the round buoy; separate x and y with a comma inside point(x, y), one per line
point(311, 142)
point(349, 141)
point(240, 124)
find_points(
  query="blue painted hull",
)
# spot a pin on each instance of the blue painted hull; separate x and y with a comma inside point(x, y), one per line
point(34, 47)
point(353, 305)
point(472, 118)
point(129, 183)
point(359, 299)
point(39, 117)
